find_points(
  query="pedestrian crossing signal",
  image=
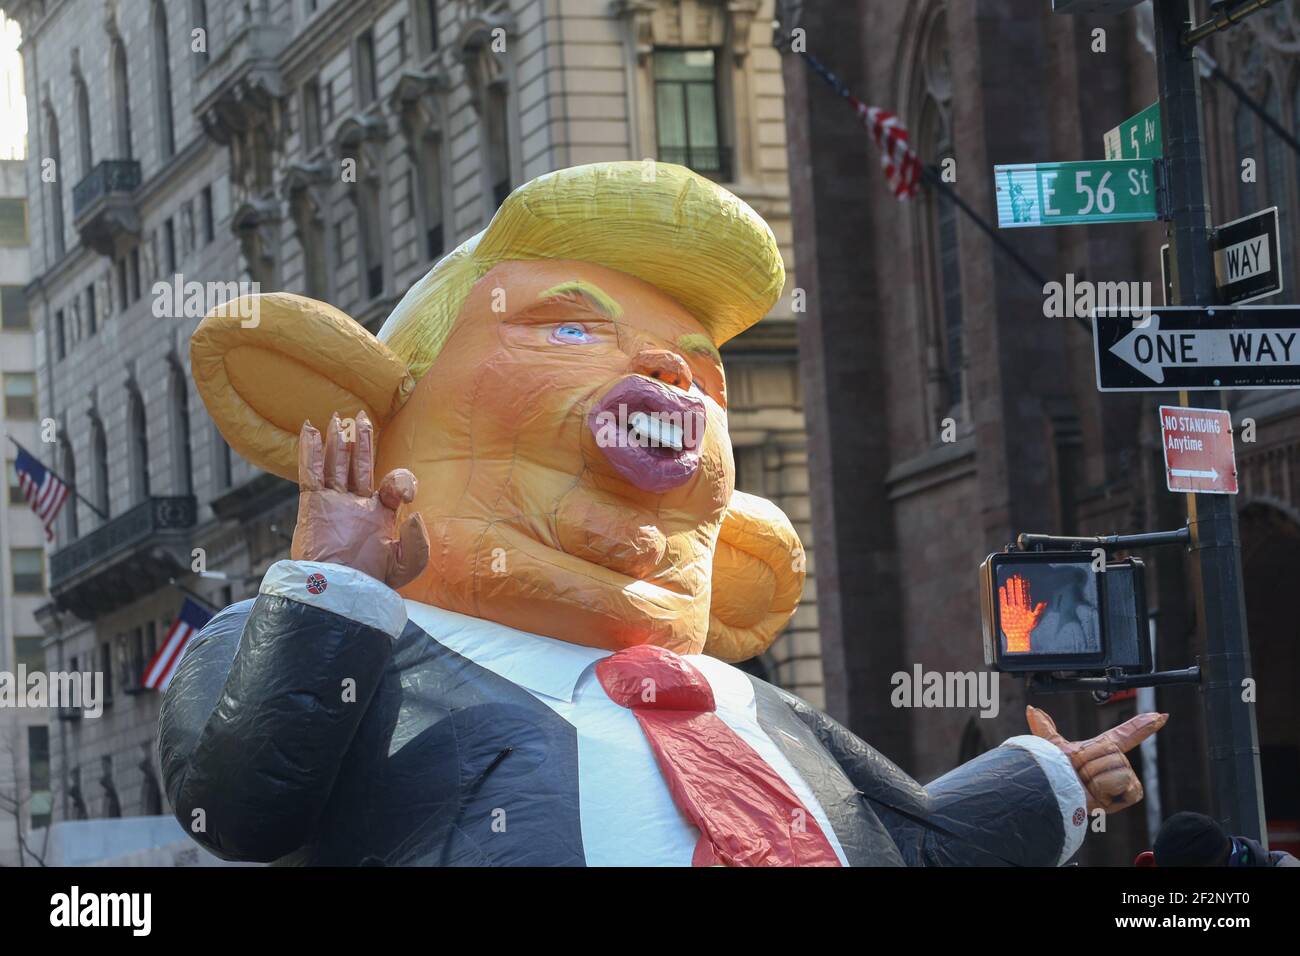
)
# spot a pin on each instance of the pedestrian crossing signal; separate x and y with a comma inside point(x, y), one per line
point(1063, 611)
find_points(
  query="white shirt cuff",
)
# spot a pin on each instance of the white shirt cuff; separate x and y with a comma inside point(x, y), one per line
point(1070, 796)
point(339, 590)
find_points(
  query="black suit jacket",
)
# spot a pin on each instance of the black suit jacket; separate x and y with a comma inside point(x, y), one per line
point(293, 733)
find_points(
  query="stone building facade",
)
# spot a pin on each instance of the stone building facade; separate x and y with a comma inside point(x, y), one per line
point(334, 148)
point(917, 322)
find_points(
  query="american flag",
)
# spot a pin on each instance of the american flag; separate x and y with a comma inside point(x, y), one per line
point(42, 488)
point(188, 623)
point(901, 164)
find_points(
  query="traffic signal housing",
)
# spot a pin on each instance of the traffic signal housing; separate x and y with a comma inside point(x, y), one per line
point(1064, 611)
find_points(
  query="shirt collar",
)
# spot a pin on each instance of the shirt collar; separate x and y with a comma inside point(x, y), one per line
point(541, 664)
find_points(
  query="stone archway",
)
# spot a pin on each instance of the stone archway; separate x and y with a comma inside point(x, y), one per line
point(1270, 559)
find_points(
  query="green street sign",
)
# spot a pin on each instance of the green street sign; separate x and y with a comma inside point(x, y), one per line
point(1063, 194)
point(1138, 137)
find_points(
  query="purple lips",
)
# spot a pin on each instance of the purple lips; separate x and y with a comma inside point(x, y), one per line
point(649, 432)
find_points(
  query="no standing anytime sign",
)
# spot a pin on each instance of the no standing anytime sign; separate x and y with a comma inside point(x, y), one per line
point(1198, 450)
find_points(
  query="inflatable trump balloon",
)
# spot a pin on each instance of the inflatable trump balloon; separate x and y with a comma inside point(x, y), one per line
point(521, 565)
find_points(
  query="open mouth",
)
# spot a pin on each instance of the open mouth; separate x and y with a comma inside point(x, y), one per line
point(649, 432)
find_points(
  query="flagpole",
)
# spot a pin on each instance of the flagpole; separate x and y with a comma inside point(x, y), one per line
point(193, 595)
point(70, 485)
point(934, 178)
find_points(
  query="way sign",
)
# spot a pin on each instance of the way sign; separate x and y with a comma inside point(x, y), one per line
point(1061, 194)
point(1198, 348)
point(1198, 450)
point(1247, 259)
point(1138, 137)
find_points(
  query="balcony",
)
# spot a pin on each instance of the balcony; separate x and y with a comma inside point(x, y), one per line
point(103, 204)
point(131, 555)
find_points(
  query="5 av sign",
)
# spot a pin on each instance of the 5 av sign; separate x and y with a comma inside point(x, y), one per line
point(1198, 348)
point(1060, 194)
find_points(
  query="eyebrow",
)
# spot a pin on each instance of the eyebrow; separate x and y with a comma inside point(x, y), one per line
point(596, 297)
point(696, 342)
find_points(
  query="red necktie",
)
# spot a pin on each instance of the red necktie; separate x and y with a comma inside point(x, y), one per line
point(746, 814)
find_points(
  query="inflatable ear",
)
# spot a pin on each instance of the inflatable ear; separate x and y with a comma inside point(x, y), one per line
point(758, 572)
point(264, 364)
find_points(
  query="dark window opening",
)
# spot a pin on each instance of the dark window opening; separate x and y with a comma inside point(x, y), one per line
point(688, 112)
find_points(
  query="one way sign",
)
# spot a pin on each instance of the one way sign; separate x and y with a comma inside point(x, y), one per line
point(1247, 258)
point(1198, 348)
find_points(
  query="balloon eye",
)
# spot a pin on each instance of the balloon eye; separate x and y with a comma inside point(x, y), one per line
point(571, 335)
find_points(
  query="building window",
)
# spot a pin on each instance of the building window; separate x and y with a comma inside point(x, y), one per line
point(687, 111)
point(135, 274)
point(139, 445)
point(498, 144)
point(162, 82)
point(106, 668)
point(28, 570)
point(121, 100)
point(367, 79)
point(14, 316)
point(20, 396)
point(99, 460)
point(123, 299)
point(169, 246)
point(181, 456)
point(430, 185)
point(69, 463)
point(60, 336)
point(41, 803)
point(221, 461)
point(426, 25)
point(13, 222)
point(92, 310)
point(209, 222)
point(29, 652)
point(15, 493)
point(370, 238)
point(937, 224)
point(54, 190)
point(401, 40)
point(311, 119)
point(84, 145)
point(199, 21)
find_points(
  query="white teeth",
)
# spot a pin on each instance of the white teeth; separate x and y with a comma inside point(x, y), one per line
point(649, 430)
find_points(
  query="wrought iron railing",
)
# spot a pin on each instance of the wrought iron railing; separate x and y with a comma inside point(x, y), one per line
point(125, 531)
point(108, 176)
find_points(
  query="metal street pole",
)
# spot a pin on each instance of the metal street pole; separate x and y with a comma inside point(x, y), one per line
point(1212, 519)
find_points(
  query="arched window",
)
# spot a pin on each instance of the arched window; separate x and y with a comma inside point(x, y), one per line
point(83, 126)
point(99, 461)
point(68, 464)
point(54, 189)
point(162, 82)
point(182, 460)
point(945, 346)
point(138, 439)
point(121, 100)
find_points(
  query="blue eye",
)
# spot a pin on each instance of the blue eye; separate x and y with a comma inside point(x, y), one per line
point(571, 334)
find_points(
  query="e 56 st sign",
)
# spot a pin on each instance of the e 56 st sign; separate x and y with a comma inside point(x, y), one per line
point(1062, 194)
point(1198, 348)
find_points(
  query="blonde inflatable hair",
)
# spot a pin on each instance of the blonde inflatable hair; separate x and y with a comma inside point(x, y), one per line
point(659, 222)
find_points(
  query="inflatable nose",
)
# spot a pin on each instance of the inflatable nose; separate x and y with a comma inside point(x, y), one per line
point(664, 365)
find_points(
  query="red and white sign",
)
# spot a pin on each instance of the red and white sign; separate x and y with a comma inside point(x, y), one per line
point(1198, 450)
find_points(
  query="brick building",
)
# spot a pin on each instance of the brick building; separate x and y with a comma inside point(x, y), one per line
point(335, 148)
point(915, 318)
